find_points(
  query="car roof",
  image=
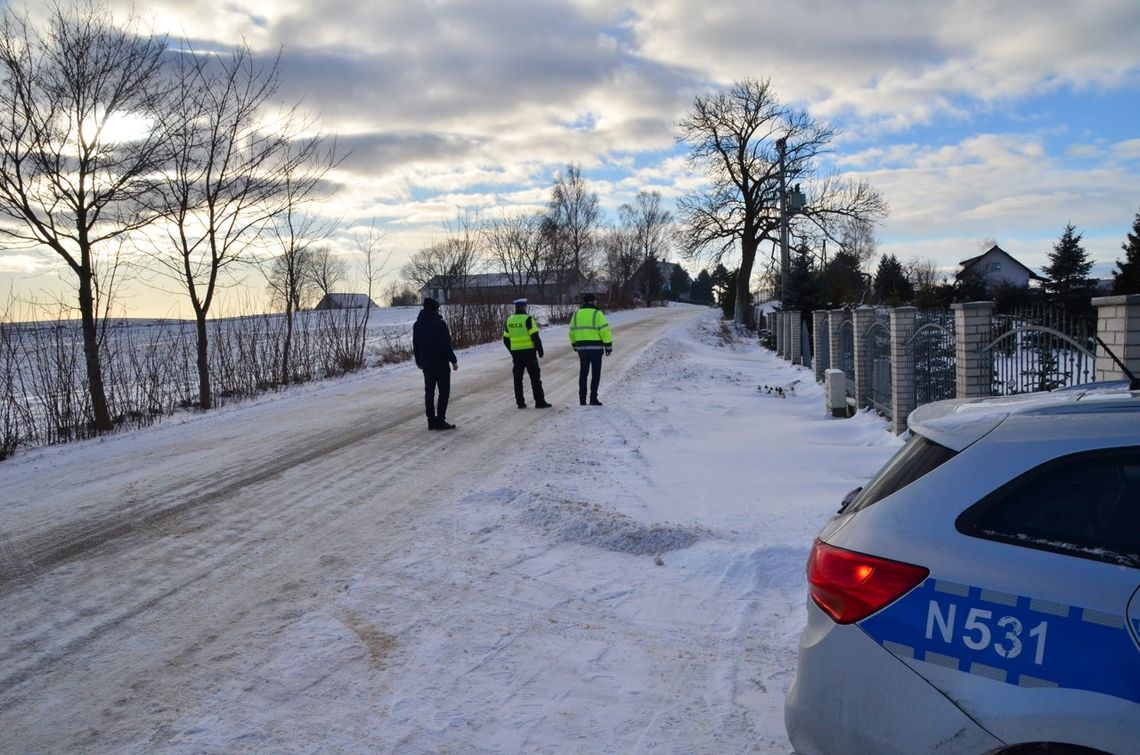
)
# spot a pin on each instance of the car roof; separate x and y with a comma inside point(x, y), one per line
point(958, 423)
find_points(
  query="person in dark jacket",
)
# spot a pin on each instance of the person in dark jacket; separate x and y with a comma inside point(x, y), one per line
point(431, 344)
point(520, 336)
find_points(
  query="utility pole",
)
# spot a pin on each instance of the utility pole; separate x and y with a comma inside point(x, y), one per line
point(781, 148)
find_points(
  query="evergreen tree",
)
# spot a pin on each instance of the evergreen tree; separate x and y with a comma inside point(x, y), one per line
point(702, 290)
point(843, 280)
point(653, 282)
point(680, 284)
point(1069, 283)
point(724, 281)
point(1126, 278)
point(803, 283)
point(721, 281)
point(891, 284)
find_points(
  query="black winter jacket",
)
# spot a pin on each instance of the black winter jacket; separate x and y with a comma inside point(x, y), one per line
point(431, 341)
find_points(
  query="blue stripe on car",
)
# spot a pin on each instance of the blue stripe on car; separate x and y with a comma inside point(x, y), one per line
point(1013, 639)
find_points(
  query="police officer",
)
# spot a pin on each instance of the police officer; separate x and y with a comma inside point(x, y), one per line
point(590, 336)
point(520, 336)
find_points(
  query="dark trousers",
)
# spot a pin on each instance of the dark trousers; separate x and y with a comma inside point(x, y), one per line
point(526, 361)
point(589, 360)
point(437, 378)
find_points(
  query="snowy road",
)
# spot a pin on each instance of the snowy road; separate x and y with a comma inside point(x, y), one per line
point(316, 572)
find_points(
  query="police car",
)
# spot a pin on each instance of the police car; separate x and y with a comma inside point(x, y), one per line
point(982, 593)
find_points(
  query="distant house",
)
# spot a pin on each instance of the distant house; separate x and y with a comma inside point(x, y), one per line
point(345, 301)
point(997, 267)
point(498, 288)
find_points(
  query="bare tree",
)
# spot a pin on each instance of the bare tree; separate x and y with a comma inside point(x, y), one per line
point(229, 173)
point(373, 261)
point(326, 271)
point(857, 237)
point(650, 225)
point(922, 273)
point(733, 137)
point(448, 264)
point(289, 279)
point(555, 257)
point(68, 180)
point(622, 258)
point(575, 213)
point(514, 245)
point(300, 167)
point(444, 265)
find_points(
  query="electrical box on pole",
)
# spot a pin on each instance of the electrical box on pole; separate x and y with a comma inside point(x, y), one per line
point(797, 201)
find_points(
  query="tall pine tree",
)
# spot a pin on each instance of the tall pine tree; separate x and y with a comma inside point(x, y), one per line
point(1069, 283)
point(891, 284)
point(803, 283)
point(1126, 278)
point(702, 290)
point(842, 281)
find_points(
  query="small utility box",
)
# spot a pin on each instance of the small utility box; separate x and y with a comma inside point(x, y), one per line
point(835, 388)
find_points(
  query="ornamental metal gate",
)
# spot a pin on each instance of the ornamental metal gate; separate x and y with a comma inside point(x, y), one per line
point(935, 365)
point(847, 354)
point(823, 349)
point(805, 343)
point(1040, 349)
point(877, 345)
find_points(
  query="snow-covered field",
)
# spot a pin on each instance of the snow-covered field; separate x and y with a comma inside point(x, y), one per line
point(314, 572)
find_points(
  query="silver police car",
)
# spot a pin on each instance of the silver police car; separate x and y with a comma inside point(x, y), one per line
point(982, 593)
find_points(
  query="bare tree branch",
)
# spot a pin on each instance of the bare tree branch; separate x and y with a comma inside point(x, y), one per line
point(732, 136)
point(231, 174)
point(71, 178)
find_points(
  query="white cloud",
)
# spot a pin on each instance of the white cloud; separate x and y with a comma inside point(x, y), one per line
point(448, 104)
point(24, 264)
point(1127, 150)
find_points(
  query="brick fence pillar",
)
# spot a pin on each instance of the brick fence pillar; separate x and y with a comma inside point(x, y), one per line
point(1118, 325)
point(795, 338)
point(778, 331)
point(819, 360)
point(862, 318)
point(972, 333)
point(903, 323)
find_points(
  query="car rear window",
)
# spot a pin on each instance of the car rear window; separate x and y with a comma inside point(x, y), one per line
point(1086, 505)
point(917, 457)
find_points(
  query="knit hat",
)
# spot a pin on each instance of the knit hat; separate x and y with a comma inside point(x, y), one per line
point(589, 298)
point(431, 304)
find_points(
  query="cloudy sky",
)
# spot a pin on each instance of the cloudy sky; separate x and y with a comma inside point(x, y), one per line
point(977, 120)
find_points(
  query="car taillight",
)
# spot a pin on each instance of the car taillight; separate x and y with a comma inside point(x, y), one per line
point(851, 586)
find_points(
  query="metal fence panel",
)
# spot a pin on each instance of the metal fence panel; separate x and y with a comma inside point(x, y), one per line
point(805, 343)
point(824, 351)
point(878, 349)
point(935, 365)
point(1040, 349)
point(847, 354)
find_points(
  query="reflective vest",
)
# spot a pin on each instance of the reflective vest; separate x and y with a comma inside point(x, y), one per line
point(520, 328)
point(589, 329)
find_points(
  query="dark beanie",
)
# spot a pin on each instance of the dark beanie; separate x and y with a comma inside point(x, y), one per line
point(589, 298)
point(430, 303)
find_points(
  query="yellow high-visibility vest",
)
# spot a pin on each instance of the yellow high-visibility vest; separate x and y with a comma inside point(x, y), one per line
point(520, 328)
point(589, 329)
